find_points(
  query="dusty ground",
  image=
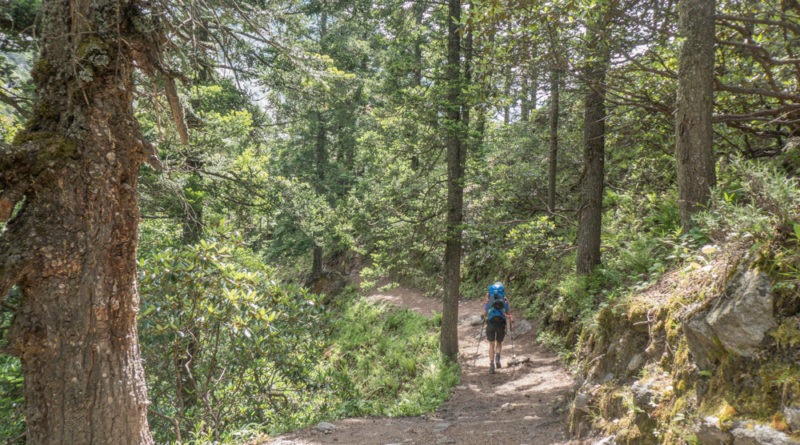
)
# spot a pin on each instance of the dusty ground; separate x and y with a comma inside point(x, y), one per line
point(513, 406)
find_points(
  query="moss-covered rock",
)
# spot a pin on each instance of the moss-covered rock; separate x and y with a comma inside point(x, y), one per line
point(675, 366)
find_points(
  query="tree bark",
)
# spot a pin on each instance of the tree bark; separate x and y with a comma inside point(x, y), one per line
point(524, 103)
point(71, 249)
point(555, 77)
point(320, 161)
point(419, 13)
point(192, 222)
point(455, 191)
point(507, 107)
point(320, 152)
point(694, 150)
point(594, 128)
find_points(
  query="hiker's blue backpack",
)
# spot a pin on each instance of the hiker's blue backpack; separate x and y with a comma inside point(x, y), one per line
point(497, 296)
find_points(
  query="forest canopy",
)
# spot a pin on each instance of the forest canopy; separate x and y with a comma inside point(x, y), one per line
point(193, 194)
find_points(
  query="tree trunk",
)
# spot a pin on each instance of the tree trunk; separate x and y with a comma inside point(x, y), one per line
point(694, 150)
point(534, 89)
point(555, 76)
point(316, 263)
point(192, 222)
point(524, 103)
point(594, 128)
point(506, 98)
point(320, 161)
point(455, 191)
point(71, 249)
point(419, 13)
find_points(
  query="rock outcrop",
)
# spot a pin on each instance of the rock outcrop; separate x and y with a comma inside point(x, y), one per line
point(662, 369)
point(736, 323)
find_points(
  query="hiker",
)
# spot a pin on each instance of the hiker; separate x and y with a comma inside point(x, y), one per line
point(496, 312)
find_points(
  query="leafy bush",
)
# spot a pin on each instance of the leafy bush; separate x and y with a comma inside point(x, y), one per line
point(385, 361)
point(752, 200)
point(230, 354)
point(223, 344)
point(11, 400)
point(12, 427)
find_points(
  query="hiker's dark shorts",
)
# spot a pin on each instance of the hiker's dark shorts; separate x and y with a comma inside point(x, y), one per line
point(496, 330)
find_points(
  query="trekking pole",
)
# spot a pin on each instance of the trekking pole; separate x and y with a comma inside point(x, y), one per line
point(480, 337)
point(511, 331)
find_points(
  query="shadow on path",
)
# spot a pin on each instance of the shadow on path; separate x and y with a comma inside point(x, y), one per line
point(514, 406)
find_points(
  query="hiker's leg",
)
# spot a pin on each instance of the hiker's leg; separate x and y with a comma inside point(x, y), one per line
point(491, 332)
point(500, 335)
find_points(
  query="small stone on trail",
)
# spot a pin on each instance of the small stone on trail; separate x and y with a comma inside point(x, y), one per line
point(475, 320)
point(439, 427)
point(519, 361)
point(445, 440)
point(521, 327)
point(324, 427)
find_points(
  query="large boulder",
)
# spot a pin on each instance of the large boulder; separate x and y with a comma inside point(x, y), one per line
point(744, 315)
point(736, 322)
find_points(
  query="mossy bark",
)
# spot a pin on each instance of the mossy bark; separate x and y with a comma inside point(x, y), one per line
point(71, 249)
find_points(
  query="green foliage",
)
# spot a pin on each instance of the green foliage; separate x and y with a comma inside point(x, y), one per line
point(216, 330)
point(752, 200)
point(385, 361)
point(787, 335)
point(226, 346)
point(11, 400)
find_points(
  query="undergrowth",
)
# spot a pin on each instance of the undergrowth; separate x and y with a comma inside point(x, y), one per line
point(385, 361)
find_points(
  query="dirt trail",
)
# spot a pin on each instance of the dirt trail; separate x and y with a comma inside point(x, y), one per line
point(513, 406)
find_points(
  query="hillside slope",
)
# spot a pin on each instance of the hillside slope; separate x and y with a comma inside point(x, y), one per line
point(708, 354)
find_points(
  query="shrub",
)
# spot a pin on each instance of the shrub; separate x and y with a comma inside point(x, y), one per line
point(223, 344)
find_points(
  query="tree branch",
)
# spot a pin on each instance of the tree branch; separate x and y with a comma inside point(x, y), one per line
point(15, 104)
point(794, 27)
point(756, 91)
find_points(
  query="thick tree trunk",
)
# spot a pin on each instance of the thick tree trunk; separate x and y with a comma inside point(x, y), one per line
point(71, 249)
point(555, 76)
point(594, 128)
point(455, 191)
point(694, 150)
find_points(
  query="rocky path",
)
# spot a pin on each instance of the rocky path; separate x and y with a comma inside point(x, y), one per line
point(513, 406)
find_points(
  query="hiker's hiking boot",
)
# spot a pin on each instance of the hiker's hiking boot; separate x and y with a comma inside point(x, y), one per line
point(497, 361)
point(491, 367)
